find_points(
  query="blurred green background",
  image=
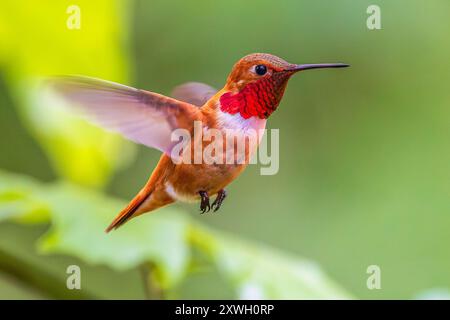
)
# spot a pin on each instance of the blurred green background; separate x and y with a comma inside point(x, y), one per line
point(364, 152)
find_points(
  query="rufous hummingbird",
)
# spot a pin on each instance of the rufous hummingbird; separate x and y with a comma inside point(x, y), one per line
point(253, 91)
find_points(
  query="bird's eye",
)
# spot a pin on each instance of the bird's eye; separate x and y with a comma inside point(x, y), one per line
point(260, 69)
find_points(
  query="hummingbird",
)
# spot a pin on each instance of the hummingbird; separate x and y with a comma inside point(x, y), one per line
point(252, 92)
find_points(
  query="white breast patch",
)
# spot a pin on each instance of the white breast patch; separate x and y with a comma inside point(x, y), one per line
point(178, 196)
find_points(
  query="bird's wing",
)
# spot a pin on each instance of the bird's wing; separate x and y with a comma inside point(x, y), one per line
point(141, 116)
point(195, 93)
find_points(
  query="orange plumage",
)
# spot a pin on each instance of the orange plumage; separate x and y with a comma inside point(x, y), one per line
point(251, 94)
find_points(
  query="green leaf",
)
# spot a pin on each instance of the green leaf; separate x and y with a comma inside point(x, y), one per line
point(258, 272)
point(79, 219)
point(21, 201)
point(163, 240)
point(37, 43)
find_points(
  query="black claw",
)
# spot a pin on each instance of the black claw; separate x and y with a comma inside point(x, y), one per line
point(204, 204)
point(219, 199)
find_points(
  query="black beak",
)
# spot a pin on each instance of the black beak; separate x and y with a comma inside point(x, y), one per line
point(300, 67)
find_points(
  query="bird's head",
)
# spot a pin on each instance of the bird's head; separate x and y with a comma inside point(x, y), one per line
point(257, 82)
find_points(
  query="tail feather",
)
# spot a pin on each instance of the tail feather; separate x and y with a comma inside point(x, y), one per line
point(128, 212)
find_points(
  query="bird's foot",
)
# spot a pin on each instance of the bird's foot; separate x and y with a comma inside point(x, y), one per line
point(204, 204)
point(219, 199)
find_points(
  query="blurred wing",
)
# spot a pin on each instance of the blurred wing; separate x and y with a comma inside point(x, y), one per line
point(142, 116)
point(195, 93)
